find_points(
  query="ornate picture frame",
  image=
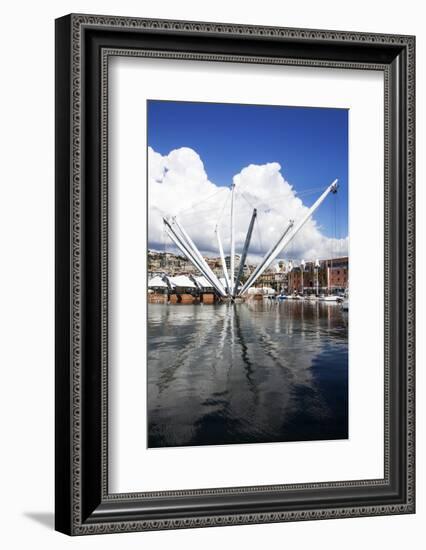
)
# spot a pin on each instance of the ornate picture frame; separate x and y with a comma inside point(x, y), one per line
point(84, 45)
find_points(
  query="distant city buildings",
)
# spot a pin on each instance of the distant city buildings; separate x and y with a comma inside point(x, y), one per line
point(237, 259)
point(314, 277)
point(175, 264)
point(311, 277)
point(215, 265)
point(166, 262)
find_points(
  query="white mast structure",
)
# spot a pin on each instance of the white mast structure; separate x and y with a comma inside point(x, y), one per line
point(232, 262)
point(245, 250)
point(222, 259)
point(266, 261)
point(183, 241)
point(189, 249)
point(285, 239)
point(186, 253)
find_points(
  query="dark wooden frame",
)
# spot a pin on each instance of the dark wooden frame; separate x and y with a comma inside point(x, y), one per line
point(83, 46)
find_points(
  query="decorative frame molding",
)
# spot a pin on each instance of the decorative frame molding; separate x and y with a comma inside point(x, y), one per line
point(84, 44)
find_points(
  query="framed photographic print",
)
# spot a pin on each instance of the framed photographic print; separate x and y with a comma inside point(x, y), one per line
point(234, 274)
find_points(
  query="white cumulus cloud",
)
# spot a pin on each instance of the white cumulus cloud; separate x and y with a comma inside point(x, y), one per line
point(179, 186)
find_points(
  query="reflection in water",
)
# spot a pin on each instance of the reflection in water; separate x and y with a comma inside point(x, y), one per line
point(246, 373)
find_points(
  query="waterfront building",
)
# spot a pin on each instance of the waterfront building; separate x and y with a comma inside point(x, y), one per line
point(246, 268)
point(273, 279)
point(319, 277)
point(215, 265)
point(237, 259)
point(156, 273)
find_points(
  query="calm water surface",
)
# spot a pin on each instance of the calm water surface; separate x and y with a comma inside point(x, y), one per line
point(246, 373)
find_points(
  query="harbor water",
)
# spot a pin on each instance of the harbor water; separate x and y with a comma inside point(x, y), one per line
point(255, 372)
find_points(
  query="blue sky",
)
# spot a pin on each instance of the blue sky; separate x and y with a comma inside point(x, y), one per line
point(310, 144)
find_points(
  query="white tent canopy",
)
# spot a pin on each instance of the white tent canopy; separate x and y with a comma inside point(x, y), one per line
point(202, 282)
point(157, 282)
point(181, 281)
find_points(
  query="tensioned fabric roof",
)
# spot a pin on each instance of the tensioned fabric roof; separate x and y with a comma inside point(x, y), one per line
point(157, 282)
point(202, 282)
point(181, 281)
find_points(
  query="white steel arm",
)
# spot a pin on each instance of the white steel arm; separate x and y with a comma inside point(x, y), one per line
point(186, 253)
point(191, 245)
point(222, 259)
point(192, 258)
point(232, 263)
point(286, 238)
point(266, 261)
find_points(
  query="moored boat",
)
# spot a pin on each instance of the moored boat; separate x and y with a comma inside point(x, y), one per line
point(332, 298)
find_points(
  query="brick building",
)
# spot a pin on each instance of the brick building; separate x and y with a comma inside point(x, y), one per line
point(321, 277)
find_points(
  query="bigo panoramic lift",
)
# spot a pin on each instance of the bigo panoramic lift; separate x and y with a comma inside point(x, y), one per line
point(232, 289)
